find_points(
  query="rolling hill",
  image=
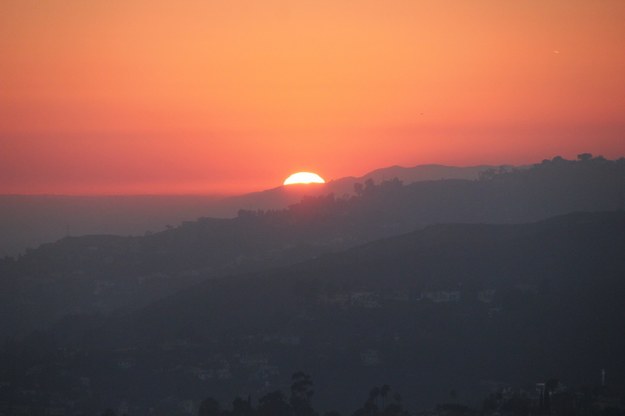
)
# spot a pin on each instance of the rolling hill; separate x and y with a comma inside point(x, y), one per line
point(451, 307)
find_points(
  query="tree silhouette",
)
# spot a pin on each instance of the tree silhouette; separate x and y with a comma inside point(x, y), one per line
point(209, 407)
point(242, 407)
point(374, 394)
point(454, 395)
point(358, 188)
point(301, 393)
point(370, 408)
point(273, 404)
point(369, 187)
point(383, 393)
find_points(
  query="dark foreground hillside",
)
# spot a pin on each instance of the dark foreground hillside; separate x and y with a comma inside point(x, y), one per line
point(451, 308)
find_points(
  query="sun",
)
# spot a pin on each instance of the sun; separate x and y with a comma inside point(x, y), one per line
point(303, 177)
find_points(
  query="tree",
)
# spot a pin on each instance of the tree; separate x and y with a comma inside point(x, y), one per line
point(383, 393)
point(241, 407)
point(454, 395)
point(209, 407)
point(273, 404)
point(369, 186)
point(358, 188)
point(370, 408)
point(374, 393)
point(301, 394)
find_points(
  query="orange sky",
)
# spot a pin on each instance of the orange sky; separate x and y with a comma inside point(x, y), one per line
point(196, 96)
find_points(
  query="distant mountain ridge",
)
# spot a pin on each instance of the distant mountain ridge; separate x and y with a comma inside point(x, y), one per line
point(106, 273)
point(429, 172)
point(281, 197)
point(29, 220)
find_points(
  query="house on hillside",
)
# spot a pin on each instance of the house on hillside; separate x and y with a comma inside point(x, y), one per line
point(369, 300)
point(370, 358)
point(486, 296)
point(442, 296)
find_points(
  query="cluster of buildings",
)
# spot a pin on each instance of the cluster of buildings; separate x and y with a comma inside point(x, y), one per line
point(373, 299)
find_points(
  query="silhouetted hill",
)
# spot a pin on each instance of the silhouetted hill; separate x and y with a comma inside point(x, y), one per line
point(451, 307)
point(27, 221)
point(107, 273)
point(281, 197)
point(561, 253)
point(431, 172)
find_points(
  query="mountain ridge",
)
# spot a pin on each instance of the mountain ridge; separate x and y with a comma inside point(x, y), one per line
point(106, 274)
point(30, 220)
point(413, 310)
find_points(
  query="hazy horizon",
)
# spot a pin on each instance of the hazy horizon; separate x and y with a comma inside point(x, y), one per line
point(450, 241)
point(32, 219)
point(279, 184)
point(229, 97)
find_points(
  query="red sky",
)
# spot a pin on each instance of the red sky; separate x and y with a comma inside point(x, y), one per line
point(228, 96)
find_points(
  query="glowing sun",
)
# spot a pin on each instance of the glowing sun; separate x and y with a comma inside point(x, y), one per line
point(303, 177)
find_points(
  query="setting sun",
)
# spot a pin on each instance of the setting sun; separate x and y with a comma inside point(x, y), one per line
point(303, 177)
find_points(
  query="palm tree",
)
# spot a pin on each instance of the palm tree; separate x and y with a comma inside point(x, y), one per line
point(373, 395)
point(383, 393)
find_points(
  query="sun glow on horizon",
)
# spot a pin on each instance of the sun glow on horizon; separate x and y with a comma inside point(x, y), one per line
point(303, 178)
point(192, 97)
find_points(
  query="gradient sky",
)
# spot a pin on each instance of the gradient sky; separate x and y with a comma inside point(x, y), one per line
point(148, 96)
